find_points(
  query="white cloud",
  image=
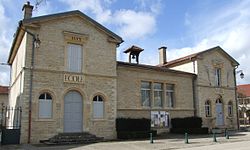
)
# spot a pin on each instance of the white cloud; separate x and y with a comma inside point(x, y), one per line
point(134, 25)
point(4, 45)
point(229, 28)
point(129, 23)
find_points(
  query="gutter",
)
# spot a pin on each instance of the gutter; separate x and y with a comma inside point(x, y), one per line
point(194, 95)
point(237, 105)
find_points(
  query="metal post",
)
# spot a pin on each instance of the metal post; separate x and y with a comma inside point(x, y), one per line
point(225, 132)
point(151, 138)
point(227, 135)
point(214, 137)
point(186, 138)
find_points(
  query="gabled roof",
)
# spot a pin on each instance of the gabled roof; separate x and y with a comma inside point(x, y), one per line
point(194, 56)
point(19, 32)
point(244, 89)
point(72, 13)
point(155, 68)
point(4, 89)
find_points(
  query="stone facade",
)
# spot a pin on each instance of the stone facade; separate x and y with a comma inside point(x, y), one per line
point(36, 71)
point(206, 89)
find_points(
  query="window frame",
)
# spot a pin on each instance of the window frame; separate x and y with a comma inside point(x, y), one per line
point(149, 92)
point(103, 106)
point(172, 91)
point(218, 77)
point(45, 100)
point(230, 108)
point(160, 92)
point(208, 108)
point(68, 58)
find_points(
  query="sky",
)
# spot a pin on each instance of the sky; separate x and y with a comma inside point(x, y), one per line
point(183, 26)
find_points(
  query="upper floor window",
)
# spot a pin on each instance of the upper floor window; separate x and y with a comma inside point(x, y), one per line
point(145, 93)
point(208, 108)
point(98, 107)
point(170, 95)
point(74, 61)
point(217, 76)
point(158, 91)
point(45, 106)
point(230, 108)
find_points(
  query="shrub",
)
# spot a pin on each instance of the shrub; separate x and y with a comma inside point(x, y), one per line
point(189, 130)
point(135, 134)
point(188, 122)
point(128, 124)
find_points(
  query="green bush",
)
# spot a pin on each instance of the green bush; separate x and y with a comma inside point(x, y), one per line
point(189, 130)
point(128, 124)
point(188, 122)
point(135, 134)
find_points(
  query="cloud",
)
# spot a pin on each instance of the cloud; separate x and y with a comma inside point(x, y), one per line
point(4, 45)
point(227, 27)
point(128, 23)
point(134, 25)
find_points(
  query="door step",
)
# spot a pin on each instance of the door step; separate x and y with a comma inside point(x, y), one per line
point(72, 138)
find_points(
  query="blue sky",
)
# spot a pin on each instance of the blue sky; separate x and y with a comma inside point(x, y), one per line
point(184, 26)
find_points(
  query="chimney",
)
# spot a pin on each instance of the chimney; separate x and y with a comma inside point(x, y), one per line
point(162, 55)
point(27, 8)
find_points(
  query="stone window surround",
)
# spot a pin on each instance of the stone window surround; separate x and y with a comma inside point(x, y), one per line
point(104, 98)
point(74, 38)
point(165, 105)
point(53, 106)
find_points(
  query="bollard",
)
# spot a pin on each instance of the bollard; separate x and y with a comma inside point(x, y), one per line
point(151, 138)
point(186, 138)
point(227, 135)
point(226, 132)
point(214, 137)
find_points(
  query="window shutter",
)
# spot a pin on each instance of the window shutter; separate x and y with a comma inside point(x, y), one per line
point(45, 108)
point(98, 109)
point(74, 58)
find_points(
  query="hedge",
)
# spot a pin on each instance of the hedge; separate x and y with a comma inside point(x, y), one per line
point(135, 134)
point(128, 124)
point(189, 130)
point(188, 122)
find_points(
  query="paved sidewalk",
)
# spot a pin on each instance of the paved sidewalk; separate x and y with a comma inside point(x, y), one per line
point(171, 141)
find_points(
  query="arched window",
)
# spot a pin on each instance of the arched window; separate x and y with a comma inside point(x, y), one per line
point(230, 108)
point(208, 108)
point(98, 107)
point(45, 106)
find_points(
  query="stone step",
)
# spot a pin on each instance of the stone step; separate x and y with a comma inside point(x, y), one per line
point(72, 138)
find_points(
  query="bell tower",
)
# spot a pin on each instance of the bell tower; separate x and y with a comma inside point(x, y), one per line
point(134, 52)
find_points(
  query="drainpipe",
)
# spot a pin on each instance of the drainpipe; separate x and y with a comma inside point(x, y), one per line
point(31, 79)
point(237, 113)
point(194, 95)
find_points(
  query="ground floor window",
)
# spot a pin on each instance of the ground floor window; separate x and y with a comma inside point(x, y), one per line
point(98, 107)
point(160, 119)
point(208, 108)
point(230, 109)
point(45, 106)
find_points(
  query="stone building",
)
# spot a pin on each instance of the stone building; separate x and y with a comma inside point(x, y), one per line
point(243, 97)
point(66, 79)
point(4, 95)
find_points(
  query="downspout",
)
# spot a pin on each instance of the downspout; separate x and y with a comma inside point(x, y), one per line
point(194, 95)
point(31, 79)
point(235, 90)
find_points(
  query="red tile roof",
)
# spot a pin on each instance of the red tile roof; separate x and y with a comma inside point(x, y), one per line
point(4, 89)
point(244, 89)
point(189, 58)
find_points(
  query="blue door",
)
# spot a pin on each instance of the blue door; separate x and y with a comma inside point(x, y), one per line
point(219, 113)
point(73, 117)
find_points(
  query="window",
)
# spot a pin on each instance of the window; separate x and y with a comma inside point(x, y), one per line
point(74, 58)
point(98, 107)
point(208, 108)
point(160, 119)
point(145, 93)
point(170, 95)
point(230, 108)
point(45, 106)
point(217, 77)
point(158, 94)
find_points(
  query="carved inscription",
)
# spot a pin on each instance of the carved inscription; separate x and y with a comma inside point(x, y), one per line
point(73, 78)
